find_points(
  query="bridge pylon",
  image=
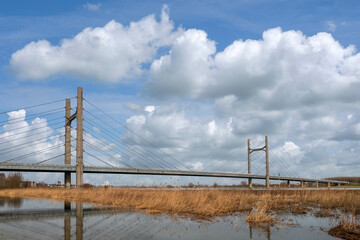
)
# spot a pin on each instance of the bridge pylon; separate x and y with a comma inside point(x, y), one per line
point(266, 150)
point(79, 139)
point(78, 115)
point(249, 164)
point(67, 179)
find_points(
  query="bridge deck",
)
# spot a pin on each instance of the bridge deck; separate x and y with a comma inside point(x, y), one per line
point(27, 167)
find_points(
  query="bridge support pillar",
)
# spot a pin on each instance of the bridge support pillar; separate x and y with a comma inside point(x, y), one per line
point(67, 179)
point(288, 183)
point(79, 139)
point(328, 184)
point(302, 183)
point(317, 184)
point(267, 162)
point(249, 164)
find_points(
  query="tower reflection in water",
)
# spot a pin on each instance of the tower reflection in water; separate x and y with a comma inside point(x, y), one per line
point(79, 221)
point(263, 228)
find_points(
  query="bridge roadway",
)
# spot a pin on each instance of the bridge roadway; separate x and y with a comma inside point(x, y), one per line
point(28, 167)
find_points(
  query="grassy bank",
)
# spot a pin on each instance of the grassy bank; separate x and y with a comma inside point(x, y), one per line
point(207, 203)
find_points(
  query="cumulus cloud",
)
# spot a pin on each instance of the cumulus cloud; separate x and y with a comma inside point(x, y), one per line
point(36, 141)
point(305, 70)
point(220, 144)
point(190, 140)
point(112, 53)
point(287, 85)
point(17, 132)
point(291, 150)
point(184, 70)
point(31, 142)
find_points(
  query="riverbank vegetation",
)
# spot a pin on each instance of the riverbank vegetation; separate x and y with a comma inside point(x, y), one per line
point(201, 202)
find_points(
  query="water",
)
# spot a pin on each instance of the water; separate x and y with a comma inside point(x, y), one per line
point(44, 219)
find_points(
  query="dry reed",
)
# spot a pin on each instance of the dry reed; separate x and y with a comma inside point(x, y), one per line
point(206, 203)
point(261, 213)
point(346, 229)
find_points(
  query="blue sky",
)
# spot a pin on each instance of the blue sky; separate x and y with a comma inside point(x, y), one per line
point(231, 69)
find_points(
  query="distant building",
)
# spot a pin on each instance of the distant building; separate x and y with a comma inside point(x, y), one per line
point(26, 184)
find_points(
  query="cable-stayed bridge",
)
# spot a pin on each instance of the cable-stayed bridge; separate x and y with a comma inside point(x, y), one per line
point(44, 138)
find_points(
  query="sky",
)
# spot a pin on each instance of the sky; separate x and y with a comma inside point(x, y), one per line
point(192, 80)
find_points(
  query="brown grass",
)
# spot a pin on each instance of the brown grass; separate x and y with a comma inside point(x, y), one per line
point(207, 203)
point(346, 229)
point(261, 213)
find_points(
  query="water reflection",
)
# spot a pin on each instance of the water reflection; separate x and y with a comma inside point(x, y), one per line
point(264, 228)
point(11, 202)
point(79, 221)
point(67, 227)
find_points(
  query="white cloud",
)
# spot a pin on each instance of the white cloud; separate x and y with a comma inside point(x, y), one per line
point(112, 53)
point(184, 70)
point(92, 6)
point(212, 127)
point(282, 64)
point(221, 144)
point(149, 109)
point(36, 141)
point(292, 150)
point(31, 142)
point(196, 166)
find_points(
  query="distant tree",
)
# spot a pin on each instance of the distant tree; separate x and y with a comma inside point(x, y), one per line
point(215, 185)
point(13, 180)
point(2, 180)
point(190, 185)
